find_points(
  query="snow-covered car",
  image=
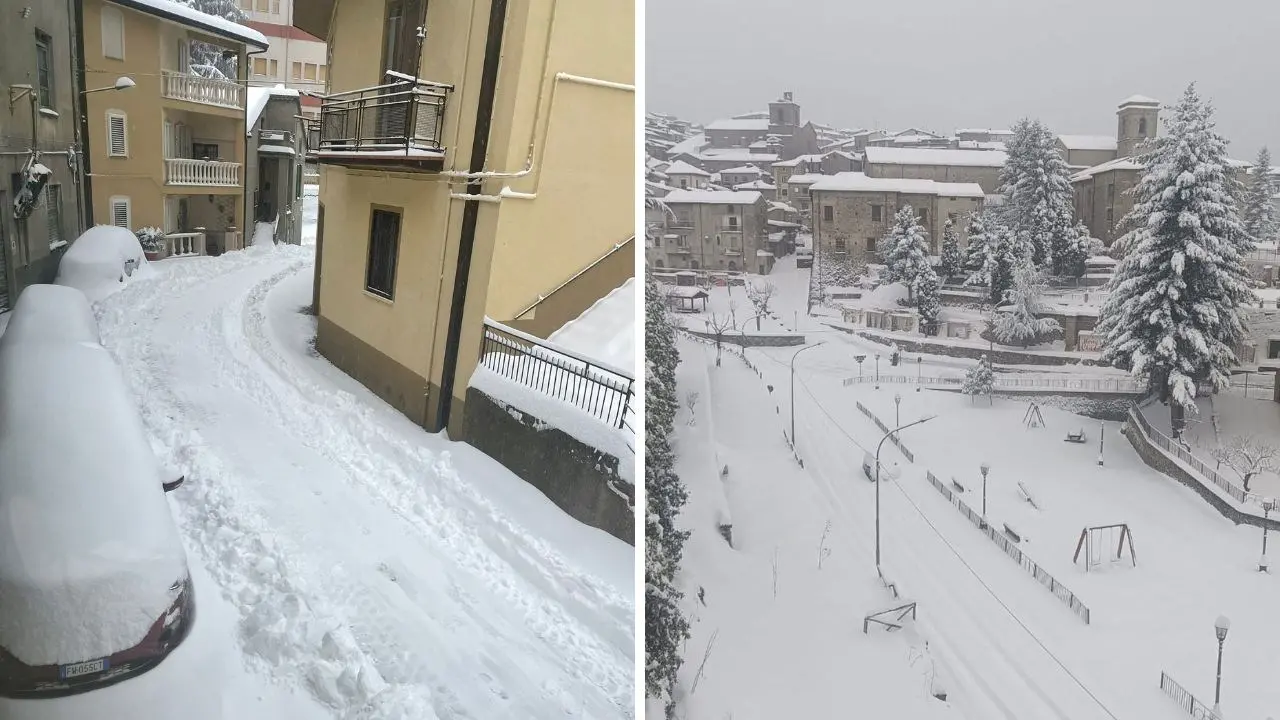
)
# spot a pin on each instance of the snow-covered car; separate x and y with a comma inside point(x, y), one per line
point(94, 584)
point(804, 257)
point(101, 261)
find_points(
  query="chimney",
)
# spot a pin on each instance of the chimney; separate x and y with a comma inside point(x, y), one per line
point(786, 96)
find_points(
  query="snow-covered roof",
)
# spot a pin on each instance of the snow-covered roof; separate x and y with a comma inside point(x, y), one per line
point(712, 197)
point(212, 24)
point(739, 124)
point(736, 155)
point(1087, 142)
point(691, 144)
point(984, 131)
point(754, 185)
point(859, 182)
point(763, 253)
point(931, 156)
point(781, 207)
point(256, 101)
point(742, 170)
point(1139, 100)
point(981, 145)
point(806, 178)
point(606, 331)
point(276, 149)
point(686, 291)
point(681, 167)
point(1123, 163)
point(782, 224)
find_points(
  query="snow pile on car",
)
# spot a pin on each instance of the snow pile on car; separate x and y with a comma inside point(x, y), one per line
point(102, 261)
point(53, 312)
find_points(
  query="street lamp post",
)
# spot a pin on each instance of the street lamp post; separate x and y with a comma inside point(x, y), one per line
point(919, 372)
point(859, 358)
point(793, 390)
point(1268, 504)
point(897, 409)
point(1220, 627)
point(877, 371)
point(888, 435)
point(985, 467)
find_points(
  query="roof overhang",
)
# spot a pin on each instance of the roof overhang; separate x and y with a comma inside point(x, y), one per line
point(142, 7)
point(313, 17)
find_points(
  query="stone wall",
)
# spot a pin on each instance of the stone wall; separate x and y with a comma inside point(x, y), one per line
point(579, 479)
point(733, 338)
point(1003, 357)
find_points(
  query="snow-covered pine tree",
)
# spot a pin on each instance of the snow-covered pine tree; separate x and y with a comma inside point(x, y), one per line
point(666, 627)
point(927, 302)
point(1258, 213)
point(998, 253)
point(979, 379)
point(975, 253)
point(1173, 315)
point(1071, 261)
point(1018, 325)
point(951, 260)
point(906, 252)
point(206, 59)
point(1037, 182)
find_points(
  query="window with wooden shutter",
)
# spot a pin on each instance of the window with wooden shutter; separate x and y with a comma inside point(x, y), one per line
point(121, 212)
point(384, 247)
point(117, 135)
point(44, 69)
point(112, 33)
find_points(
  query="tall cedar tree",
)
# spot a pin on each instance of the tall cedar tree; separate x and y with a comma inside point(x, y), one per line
point(906, 251)
point(1037, 182)
point(927, 301)
point(951, 261)
point(997, 253)
point(1258, 213)
point(1174, 312)
point(975, 252)
point(666, 627)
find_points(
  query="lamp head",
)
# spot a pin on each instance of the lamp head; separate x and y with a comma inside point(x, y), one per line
point(1221, 626)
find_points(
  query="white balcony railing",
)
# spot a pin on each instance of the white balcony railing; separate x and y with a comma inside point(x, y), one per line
point(206, 91)
point(184, 244)
point(183, 171)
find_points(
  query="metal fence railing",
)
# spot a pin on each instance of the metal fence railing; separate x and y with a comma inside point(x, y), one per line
point(910, 456)
point(1186, 700)
point(1177, 450)
point(1109, 385)
point(1011, 549)
point(603, 392)
point(404, 116)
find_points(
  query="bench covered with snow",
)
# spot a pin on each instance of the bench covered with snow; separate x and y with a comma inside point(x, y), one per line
point(1026, 495)
point(892, 617)
point(1013, 534)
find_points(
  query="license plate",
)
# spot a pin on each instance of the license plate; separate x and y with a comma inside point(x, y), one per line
point(83, 668)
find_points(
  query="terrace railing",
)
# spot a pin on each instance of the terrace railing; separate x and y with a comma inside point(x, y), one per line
point(1186, 700)
point(206, 91)
point(403, 116)
point(601, 391)
point(1177, 450)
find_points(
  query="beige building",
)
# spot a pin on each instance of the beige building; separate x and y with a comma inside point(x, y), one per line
point(169, 152)
point(295, 59)
point(940, 165)
point(716, 230)
point(852, 211)
point(500, 183)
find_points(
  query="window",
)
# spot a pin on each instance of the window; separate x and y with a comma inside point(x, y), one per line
point(121, 212)
point(324, 73)
point(1142, 127)
point(44, 69)
point(877, 213)
point(273, 68)
point(924, 217)
point(263, 6)
point(297, 71)
point(733, 221)
point(839, 244)
point(112, 33)
point(871, 245)
point(117, 134)
point(204, 151)
point(309, 71)
point(828, 213)
point(275, 7)
point(384, 245)
point(53, 214)
point(259, 66)
point(684, 184)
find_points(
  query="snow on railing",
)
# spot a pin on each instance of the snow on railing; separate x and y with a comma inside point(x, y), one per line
point(1177, 450)
point(184, 171)
point(207, 91)
point(1186, 700)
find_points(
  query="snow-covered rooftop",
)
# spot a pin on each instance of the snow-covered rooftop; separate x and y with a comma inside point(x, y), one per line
point(736, 155)
point(930, 156)
point(1123, 163)
point(212, 24)
point(984, 131)
point(1087, 142)
point(690, 144)
point(795, 161)
point(1139, 100)
point(859, 182)
point(754, 185)
point(806, 178)
point(681, 167)
point(712, 197)
point(981, 145)
point(739, 124)
point(256, 101)
point(781, 207)
point(606, 331)
point(742, 170)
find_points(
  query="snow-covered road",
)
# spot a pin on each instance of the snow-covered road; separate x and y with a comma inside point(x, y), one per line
point(391, 573)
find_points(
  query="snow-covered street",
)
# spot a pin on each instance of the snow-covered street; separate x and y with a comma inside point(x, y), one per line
point(369, 570)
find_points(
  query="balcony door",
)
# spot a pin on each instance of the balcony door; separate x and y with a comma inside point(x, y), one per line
point(400, 52)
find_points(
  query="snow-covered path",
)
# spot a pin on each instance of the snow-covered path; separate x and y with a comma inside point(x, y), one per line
point(390, 572)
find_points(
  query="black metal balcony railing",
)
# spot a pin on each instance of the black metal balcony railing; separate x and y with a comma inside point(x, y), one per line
point(600, 391)
point(400, 116)
point(310, 134)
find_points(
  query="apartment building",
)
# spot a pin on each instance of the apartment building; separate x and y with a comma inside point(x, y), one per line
point(684, 176)
point(940, 165)
point(297, 59)
point(39, 145)
point(853, 211)
point(716, 230)
point(169, 152)
point(486, 171)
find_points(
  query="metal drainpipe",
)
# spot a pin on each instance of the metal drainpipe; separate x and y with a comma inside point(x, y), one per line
point(471, 211)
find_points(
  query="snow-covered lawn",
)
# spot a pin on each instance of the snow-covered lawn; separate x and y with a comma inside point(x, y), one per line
point(369, 569)
point(1256, 416)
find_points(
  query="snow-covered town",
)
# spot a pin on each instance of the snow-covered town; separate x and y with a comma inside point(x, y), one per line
point(971, 423)
point(312, 405)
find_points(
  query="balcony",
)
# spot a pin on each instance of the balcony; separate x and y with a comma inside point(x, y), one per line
point(205, 91)
point(201, 173)
point(310, 136)
point(397, 125)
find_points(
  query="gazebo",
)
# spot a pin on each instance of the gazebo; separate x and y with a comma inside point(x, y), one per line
point(682, 298)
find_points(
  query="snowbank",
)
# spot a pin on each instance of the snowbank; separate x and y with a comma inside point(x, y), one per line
point(90, 548)
point(52, 312)
point(606, 330)
point(264, 235)
point(102, 261)
point(886, 296)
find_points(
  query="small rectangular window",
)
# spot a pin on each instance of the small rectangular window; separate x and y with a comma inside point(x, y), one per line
point(44, 69)
point(324, 73)
point(871, 244)
point(828, 213)
point(273, 68)
point(112, 33)
point(297, 71)
point(53, 215)
point(309, 72)
point(384, 247)
point(275, 7)
point(117, 135)
point(204, 151)
point(121, 212)
point(259, 66)
point(840, 245)
point(877, 213)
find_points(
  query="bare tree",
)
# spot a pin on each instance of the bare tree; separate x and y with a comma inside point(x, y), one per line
point(1248, 456)
point(691, 402)
point(760, 294)
point(717, 326)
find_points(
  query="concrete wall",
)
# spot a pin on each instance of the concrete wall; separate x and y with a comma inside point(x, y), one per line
point(1088, 158)
point(1093, 197)
point(575, 476)
point(580, 293)
point(987, 177)
point(750, 340)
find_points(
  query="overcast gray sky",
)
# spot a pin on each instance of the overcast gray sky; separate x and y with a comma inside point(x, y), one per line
point(947, 64)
